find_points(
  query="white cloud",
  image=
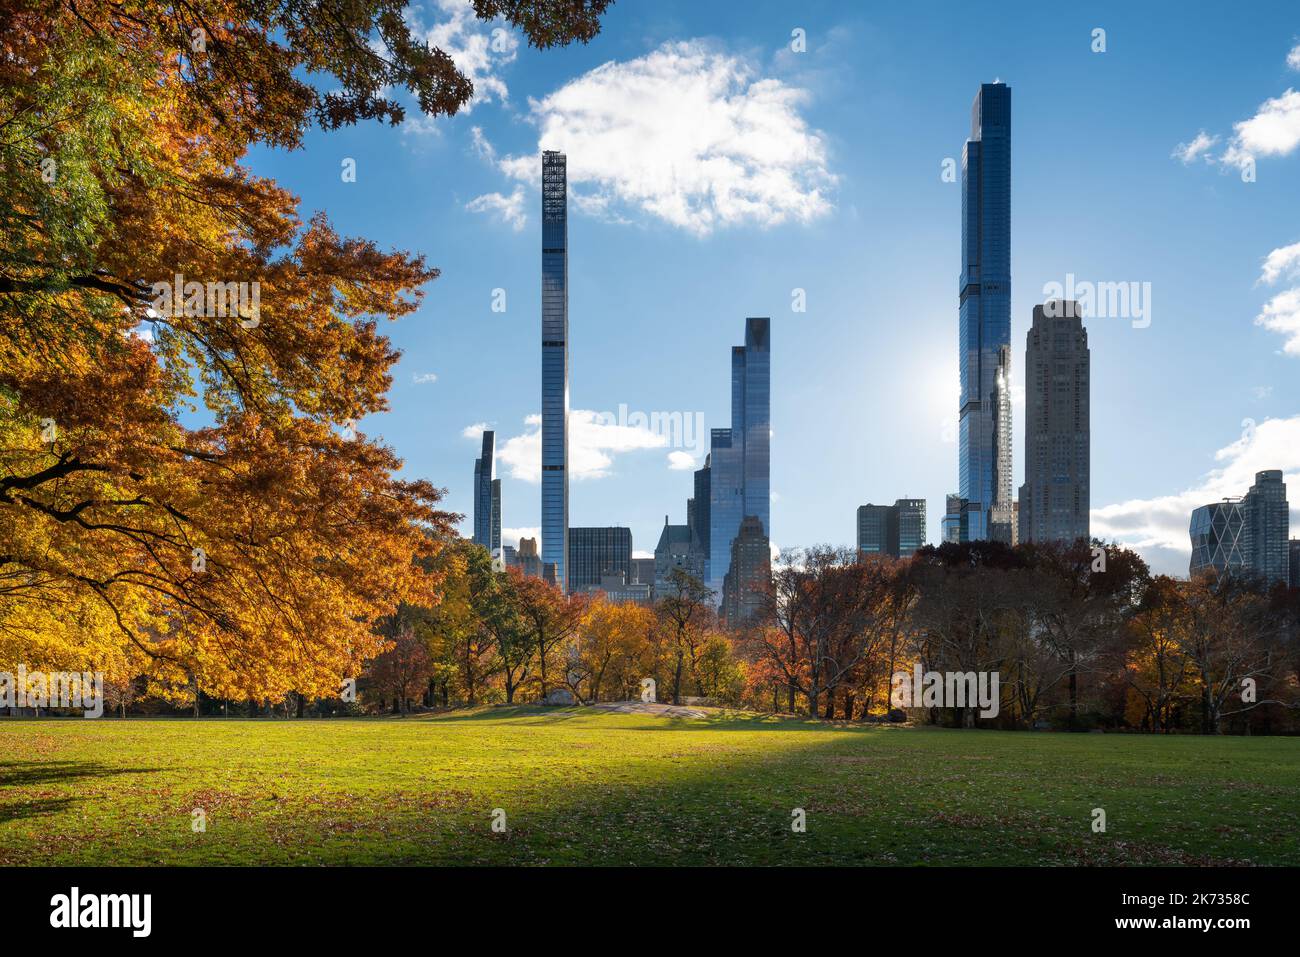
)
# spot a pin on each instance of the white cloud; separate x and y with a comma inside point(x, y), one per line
point(475, 431)
point(687, 134)
point(478, 49)
point(1157, 527)
point(511, 536)
point(680, 461)
point(1282, 315)
point(642, 553)
point(1283, 262)
point(593, 443)
point(1199, 146)
point(423, 378)
point(1293, 58)
point(1274, 130)
point(507, 209)
point(481, 145)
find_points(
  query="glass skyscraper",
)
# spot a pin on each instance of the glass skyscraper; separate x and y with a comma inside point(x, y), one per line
point(739, 469)
point(1217, 540)
point(555, 364)
point(487, 496)
point(985, 303)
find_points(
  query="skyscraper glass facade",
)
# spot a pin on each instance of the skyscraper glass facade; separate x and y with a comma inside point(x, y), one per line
point(1218, 543)
point(487, 495)
point(555, 364)
point(985, 299)
point(740, 457)
point(596, 552)
point(911, 525)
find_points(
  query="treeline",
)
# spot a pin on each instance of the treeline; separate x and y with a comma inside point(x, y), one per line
point(1081, 637)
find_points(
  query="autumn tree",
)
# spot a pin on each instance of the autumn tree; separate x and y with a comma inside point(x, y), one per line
point(830, 618)
point(550, 618)
point(402, 670)
point(183, 488)
point(1084, 592)
point(611, 637)
point(1151, 656)
point(686, 612)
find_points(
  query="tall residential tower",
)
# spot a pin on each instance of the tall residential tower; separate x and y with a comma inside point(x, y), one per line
point(555, 364)
point(487, 496)
point(739, 466)
point(1054, 501)
point(985, 304)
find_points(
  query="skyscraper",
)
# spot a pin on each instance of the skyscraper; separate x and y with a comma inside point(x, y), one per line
point(951, 524)
point(1055, 499)
point(555, 364)
point(1267, 526)
point(877, 530)
point(739, 466)
point(487, 496)
point(911, 525)
point(896, 530)
point(697, 517)
point(984, 302)
point(751, 566)
point(1295, 563)
point(597, 552)
point(1000, 513)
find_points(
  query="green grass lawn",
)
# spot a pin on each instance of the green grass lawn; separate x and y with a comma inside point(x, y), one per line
point(580, 787)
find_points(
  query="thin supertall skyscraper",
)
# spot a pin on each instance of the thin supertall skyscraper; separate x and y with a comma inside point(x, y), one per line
point(984, 303)
point(1055, 499)
point(555, 364)
point(739, 458)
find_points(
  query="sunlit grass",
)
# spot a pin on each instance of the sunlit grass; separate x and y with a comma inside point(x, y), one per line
point(579, 787)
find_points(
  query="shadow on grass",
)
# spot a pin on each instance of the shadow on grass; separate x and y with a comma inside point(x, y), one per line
point(27, 773)
point(27, 809)
point(726, 720)
point(35, 773)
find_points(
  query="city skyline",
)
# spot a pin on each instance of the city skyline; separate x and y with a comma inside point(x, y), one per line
point(851, 353)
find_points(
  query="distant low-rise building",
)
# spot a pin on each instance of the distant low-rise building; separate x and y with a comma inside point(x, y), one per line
point(618, 590)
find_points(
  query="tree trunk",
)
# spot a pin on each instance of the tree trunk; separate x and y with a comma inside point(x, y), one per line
point(541, 656)
point(848, 705)
point(1074, 695)
point(302, 703)
point(830, 704)
point(677, 679)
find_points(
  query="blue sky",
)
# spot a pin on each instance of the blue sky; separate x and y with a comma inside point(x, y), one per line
point(714, 170)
